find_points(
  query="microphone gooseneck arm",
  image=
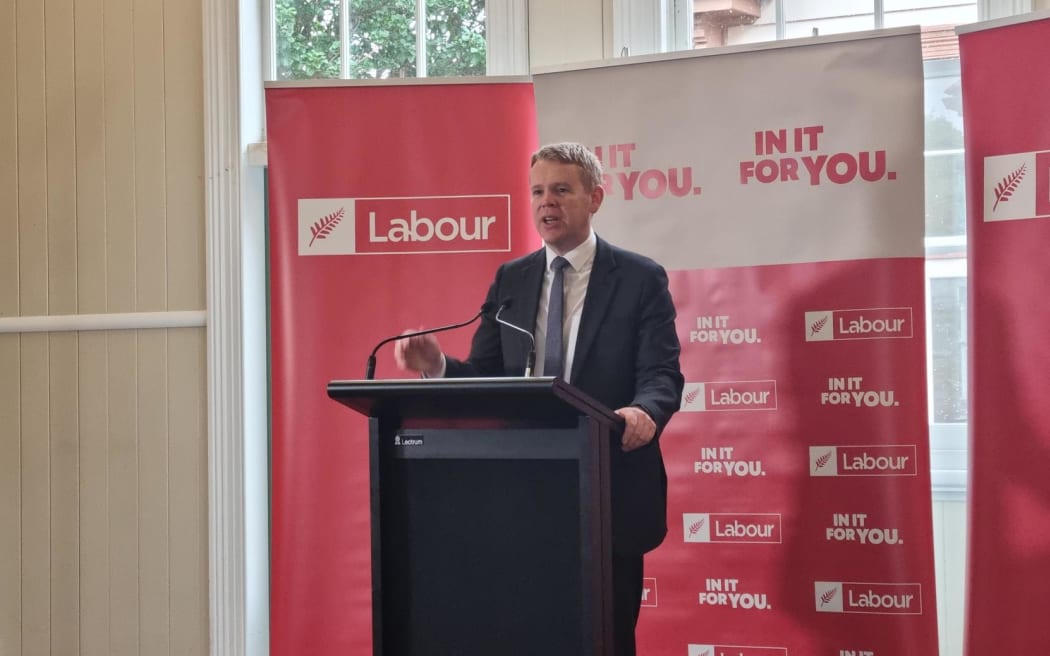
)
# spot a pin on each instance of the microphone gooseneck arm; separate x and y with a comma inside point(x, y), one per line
point(530, 361)
point(370, 369)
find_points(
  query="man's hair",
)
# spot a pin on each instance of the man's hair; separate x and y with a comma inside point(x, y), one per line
point(573, 153)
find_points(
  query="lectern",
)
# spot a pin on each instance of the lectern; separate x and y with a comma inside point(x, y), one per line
point(490, 516)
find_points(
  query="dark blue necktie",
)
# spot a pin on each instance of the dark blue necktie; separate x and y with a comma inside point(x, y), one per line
point(553, 354)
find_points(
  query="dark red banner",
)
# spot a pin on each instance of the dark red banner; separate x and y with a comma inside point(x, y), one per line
point(1005, 99)
point(390, 207)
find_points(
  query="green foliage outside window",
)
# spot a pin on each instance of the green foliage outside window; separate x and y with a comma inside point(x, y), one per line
point(382, 38)
point(455, 37)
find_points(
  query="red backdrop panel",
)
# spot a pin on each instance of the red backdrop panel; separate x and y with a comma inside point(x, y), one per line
point(390, 207)
point(1006, 93)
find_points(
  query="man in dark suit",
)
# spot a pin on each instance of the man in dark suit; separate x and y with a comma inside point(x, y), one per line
point(609, 331)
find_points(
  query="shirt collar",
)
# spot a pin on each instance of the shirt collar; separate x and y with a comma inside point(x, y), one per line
point(579, 257)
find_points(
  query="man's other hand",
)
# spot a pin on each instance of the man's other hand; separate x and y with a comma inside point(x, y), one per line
point(639, 427)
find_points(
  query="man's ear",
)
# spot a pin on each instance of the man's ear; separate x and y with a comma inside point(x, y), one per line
point(597, 196)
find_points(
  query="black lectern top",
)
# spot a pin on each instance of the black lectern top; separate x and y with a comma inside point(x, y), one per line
point(481, 398)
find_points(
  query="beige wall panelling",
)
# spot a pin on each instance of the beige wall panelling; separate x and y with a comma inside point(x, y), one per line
point(8, 167)
point(62, 299)
point(32, 164)
point(150, 197)
point(184, 140)
point(92, 414)
point(93, 368)
point(103, 544)
point(118, 57)
point(90, 154)
point(118, 54)
point(10, 497)
point(65, 493)
point(153, 522)
point(123, 494)
point(150, 290)
point(188, 473)
point(10, 349)
point(61, 158)
point(33, 384)
point(36, 521)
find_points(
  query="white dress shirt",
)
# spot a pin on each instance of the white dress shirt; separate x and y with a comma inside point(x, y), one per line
point(577, 275)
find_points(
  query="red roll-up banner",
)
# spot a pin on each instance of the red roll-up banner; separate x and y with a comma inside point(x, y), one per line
point(783, 189)
point(1006, 113)
point(391, 205)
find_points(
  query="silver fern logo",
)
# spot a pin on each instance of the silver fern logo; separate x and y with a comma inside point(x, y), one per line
point(1006, 187)
point(1017, 186)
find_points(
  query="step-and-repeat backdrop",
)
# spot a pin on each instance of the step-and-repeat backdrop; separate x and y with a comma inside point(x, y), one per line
point(782, 188)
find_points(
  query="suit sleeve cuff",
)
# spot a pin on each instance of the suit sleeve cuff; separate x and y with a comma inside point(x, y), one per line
point(441, 372)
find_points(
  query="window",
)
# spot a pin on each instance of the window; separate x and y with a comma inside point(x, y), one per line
point(360, 39)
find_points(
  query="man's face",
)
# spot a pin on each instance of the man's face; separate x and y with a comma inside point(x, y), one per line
point(561, 205)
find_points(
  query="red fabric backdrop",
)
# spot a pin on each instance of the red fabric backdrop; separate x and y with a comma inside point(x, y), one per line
point(356, 171)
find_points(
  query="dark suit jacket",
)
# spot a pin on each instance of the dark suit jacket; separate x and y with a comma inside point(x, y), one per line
point(626, 354)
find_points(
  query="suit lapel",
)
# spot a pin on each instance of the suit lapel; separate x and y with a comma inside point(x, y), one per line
point(529, 289)
point(524, 287)
point(600, 291)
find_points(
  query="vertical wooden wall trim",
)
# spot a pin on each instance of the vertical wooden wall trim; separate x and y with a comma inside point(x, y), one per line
point(36, 502)
point(184, 161)
point(187, 456)
point(32, 293)
point(123, 494)
point(150, 157)
point(93, 419)
point(10, 496)
point(151, 295)
point(8, 165)
point(65, 493)
point(32, 165)
point(10, 347)
point(60, 113)
point(90, 157)
point(118, 53)
point(153, 519)
point(63, 433)
point(222, 162)
point(93, 392)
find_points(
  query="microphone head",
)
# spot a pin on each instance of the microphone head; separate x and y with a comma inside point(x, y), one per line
point(506, 302)
point(491, 309)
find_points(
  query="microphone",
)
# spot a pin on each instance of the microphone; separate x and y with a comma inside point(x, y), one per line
point(370, 370)
point(530, 362)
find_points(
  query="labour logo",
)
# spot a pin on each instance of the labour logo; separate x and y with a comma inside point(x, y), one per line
point(870, 460)
point(860, 323)
point(404, 225)
point(868, 598)
point(1017, 186)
